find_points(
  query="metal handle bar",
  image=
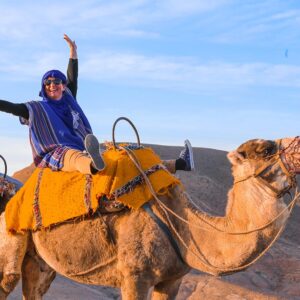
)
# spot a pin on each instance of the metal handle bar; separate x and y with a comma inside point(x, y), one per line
point(5, 166)
point(132, 125)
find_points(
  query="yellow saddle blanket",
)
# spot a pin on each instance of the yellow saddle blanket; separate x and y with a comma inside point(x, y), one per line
point(52, 197)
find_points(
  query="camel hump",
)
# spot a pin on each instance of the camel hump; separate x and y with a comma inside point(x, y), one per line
point(23, 174)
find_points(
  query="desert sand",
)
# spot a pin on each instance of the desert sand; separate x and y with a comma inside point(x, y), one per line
point(275, 276)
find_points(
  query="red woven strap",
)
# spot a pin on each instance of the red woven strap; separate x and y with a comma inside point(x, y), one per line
point(291, 156)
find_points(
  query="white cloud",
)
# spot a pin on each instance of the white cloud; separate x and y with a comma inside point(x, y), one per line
point(255, 21)
point(286, 15)
point(39, 24)
point(36, 21)
point(185, 73)
point(27, 69)
point(179, 8)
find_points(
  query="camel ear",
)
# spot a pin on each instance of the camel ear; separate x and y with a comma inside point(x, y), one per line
point(235, 157)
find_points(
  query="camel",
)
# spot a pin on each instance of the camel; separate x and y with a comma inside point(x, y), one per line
point(130, 251)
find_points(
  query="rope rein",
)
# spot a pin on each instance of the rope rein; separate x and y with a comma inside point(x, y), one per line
point(136, 163)
point(288, 207)
point(165, 209)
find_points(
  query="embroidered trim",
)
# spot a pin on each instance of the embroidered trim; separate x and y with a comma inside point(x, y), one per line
point(138, 180)
point(36, 205)
point(107, 205)
point(110, 146)
point(134, 147)
point(87, 193)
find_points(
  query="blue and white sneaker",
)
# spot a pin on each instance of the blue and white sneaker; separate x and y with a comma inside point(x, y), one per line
point(92, 147)
point(187, 155)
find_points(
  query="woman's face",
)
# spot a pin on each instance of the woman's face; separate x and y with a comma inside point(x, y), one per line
point(54, 88)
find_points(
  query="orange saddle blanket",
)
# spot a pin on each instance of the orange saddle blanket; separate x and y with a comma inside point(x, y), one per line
point(50, 197)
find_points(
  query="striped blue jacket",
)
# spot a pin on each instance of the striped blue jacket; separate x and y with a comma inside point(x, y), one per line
point(50, 137)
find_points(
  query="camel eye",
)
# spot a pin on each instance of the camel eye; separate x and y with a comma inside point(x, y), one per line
point(243, 154)
point(267, 152)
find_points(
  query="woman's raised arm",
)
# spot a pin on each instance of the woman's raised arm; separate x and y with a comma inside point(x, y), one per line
point(72, 72)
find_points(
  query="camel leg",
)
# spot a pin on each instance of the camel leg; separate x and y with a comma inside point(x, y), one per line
point(12, 249)
point(8, 283)
point(166, 290)
point(3, 294)
point(37, 276)
point(134, 289)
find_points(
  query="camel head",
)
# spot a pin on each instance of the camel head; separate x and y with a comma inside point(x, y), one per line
point(261, 159)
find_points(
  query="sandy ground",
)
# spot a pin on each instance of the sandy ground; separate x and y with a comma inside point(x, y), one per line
point(275, 276)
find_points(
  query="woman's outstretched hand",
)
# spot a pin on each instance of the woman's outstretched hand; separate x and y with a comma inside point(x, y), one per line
point(73, 47)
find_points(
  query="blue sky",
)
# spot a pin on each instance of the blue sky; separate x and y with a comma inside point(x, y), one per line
point(216, 72)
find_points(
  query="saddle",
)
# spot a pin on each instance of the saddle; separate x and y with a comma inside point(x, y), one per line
point(51, 197)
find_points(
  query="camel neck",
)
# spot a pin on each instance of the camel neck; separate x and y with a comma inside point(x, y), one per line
point(207, 236)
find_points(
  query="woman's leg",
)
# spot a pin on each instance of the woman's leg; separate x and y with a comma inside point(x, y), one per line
point(185, 161)
point(75, 160)
point(86, 163)
point(174, 165)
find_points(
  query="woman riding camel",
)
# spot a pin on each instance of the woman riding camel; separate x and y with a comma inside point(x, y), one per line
point(60, 134)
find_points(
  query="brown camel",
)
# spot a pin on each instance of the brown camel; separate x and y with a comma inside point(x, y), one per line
point(130, 251)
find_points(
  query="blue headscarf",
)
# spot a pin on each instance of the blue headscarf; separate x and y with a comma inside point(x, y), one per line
point(64, 107)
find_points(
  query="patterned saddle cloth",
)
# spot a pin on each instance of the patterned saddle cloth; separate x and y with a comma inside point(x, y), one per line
point(52, 197)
